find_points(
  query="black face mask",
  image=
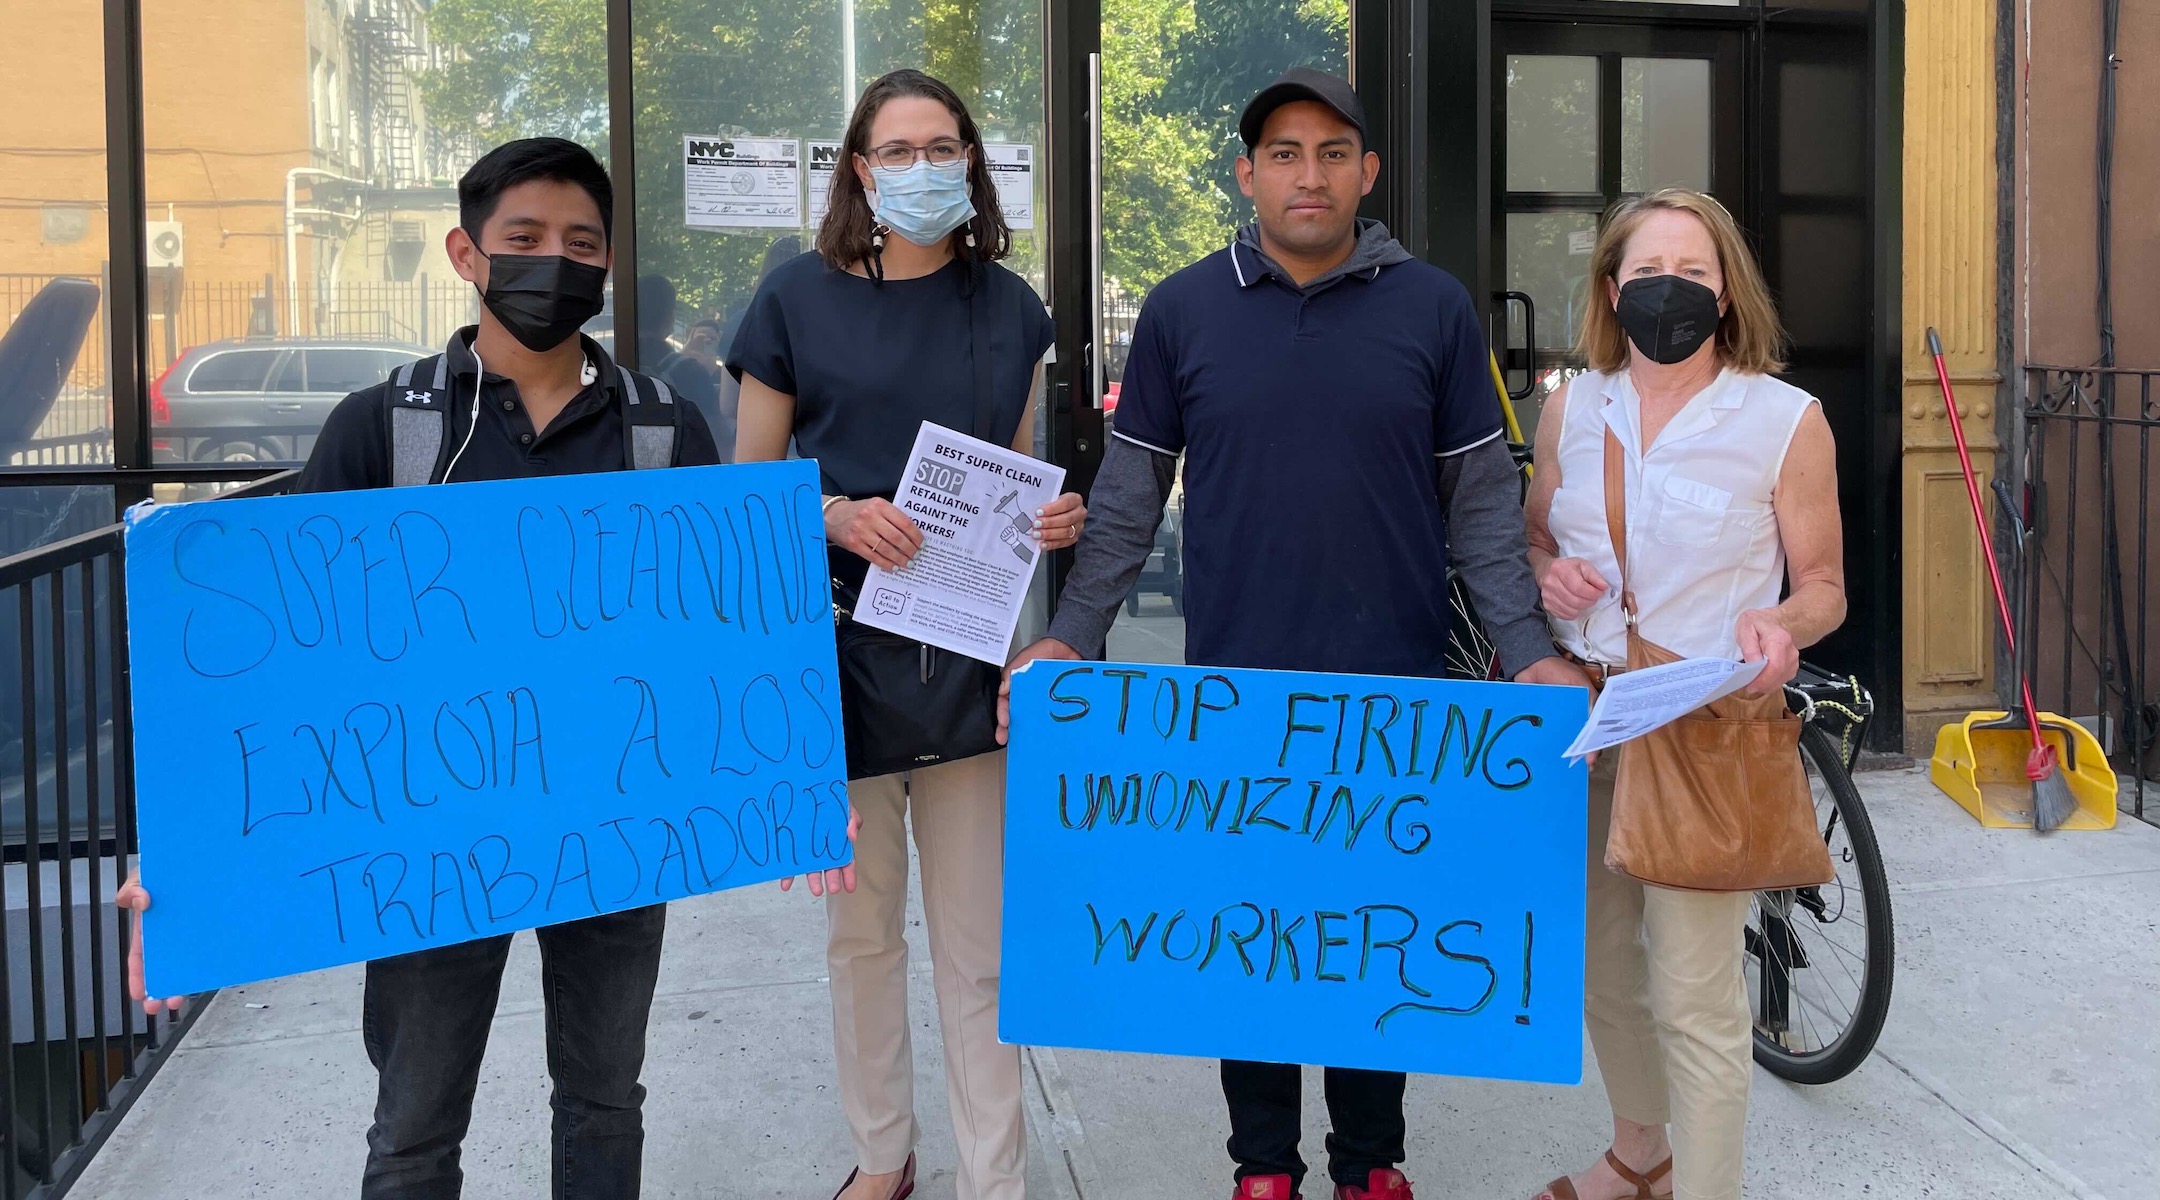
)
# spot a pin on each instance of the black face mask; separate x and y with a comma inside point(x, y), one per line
point(542, 299)
point(1667, 317)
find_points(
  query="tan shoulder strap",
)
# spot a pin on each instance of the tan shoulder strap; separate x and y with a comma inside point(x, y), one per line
point(1616, 516)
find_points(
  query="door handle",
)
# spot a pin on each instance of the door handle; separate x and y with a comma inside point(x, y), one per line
point(288, 408)
point(1529, 348)
point(1098, 344)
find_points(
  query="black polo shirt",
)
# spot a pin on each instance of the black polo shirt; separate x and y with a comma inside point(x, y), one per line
point(1311, 421)
point(353, 450)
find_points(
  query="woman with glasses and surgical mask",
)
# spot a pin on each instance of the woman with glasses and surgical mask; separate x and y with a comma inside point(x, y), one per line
point(847, 351)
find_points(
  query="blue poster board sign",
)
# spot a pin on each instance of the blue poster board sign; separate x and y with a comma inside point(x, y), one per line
point(374, 722)
point(1342, 870)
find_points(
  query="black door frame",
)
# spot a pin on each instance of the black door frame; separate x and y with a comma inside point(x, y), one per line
point(1867, 420)
point(1732, 124)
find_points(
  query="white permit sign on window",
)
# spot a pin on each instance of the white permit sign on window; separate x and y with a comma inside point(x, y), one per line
point(1012, 170)
point(824, 160)
point(742, 183)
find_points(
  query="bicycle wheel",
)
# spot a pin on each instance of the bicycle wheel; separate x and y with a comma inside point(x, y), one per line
point(1819, 958)
point(1470, 653)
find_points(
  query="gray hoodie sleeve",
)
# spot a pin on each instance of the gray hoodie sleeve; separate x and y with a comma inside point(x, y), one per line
point(1481, 493)
point(1124, 508)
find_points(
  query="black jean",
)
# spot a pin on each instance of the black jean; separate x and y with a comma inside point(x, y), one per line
point(1365, 1109)
point(426, 1019)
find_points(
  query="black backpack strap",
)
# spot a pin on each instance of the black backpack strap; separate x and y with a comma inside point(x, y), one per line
point(418, 413)
point(651, 422)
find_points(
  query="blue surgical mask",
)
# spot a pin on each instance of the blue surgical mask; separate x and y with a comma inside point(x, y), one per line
point(924, 202)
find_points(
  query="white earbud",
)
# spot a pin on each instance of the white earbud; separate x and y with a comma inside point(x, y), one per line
point(586, 375)
point(479, 378)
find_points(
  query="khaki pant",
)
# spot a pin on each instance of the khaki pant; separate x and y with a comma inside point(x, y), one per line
point(959, 817)
point(1670, 1022)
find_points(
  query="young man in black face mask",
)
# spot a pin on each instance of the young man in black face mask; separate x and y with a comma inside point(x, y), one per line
point(533, 229)
point(532, 237)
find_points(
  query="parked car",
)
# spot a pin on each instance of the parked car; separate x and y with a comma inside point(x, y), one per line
point(261, 399)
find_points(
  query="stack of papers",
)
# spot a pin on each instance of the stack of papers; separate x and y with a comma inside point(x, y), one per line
point(1636, 702)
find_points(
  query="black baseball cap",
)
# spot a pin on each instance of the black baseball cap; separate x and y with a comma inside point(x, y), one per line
point(1301, 83)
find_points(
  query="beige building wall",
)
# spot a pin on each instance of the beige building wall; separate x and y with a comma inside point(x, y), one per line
point(52, 157)
point(237, 95)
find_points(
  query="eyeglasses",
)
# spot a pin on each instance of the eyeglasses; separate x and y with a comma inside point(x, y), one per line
point(899, 156)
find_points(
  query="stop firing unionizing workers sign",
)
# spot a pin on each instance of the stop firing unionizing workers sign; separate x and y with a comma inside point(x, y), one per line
point(1342, 870)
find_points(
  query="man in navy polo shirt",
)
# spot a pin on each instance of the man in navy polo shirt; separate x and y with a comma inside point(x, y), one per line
point(1331, 399)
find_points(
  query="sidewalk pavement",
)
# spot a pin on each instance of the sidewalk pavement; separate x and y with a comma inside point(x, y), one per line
point(2019, 1064)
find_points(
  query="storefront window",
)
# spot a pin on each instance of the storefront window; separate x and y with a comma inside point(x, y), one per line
point(55, 388)
point(741, 107)
point(301, 180)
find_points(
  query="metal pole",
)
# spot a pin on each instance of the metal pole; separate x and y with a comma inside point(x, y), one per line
point(1097, 287)
point(127, 325)
point(292, 256)
point(622, 172)
point(848, 90)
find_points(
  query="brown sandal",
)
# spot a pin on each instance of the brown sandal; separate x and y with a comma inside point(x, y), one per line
point(1563, 1188)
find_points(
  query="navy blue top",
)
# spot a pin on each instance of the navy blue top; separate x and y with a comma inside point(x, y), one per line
point(869, 362)
point(1311, 424)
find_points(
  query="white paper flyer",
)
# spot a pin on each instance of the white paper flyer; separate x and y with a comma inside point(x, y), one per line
point(975, 504)
point(1636, 702)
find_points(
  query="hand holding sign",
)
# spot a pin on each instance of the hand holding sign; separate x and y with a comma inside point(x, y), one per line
point(133, 898)
point(1043, 648)
point(836, 879)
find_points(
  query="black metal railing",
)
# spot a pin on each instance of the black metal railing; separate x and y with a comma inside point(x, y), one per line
point(2084, 493)
point(79, 1050)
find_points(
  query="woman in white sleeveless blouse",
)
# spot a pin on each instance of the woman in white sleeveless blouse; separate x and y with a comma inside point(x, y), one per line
point(1731, 494)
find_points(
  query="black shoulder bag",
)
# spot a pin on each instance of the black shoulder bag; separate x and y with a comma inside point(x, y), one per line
point(905, 705)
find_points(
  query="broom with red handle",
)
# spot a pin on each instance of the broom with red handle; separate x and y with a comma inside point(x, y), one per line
point(2052, 802)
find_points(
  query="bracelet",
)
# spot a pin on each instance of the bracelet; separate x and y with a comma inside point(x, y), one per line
point(830, 501)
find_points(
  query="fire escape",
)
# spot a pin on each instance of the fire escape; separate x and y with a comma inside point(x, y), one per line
point(386, 44)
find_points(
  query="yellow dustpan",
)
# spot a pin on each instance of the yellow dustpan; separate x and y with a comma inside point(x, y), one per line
point(1983, 769)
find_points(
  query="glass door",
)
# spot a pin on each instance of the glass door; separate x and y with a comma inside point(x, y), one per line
point(1172, 79)
point(1584, 115)
point(740, 107)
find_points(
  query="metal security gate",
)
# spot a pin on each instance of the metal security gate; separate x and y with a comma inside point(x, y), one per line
point(2085, 497)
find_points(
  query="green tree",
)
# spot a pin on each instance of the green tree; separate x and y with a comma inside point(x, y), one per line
point(528, 68)
point(1161, 210)
point(1176, 72)
point(1237, 47)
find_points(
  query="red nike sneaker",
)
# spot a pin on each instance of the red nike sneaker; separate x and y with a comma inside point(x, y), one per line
point(1380, 1185)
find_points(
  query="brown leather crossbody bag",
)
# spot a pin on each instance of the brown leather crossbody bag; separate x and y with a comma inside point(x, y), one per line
point(1717, 801)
